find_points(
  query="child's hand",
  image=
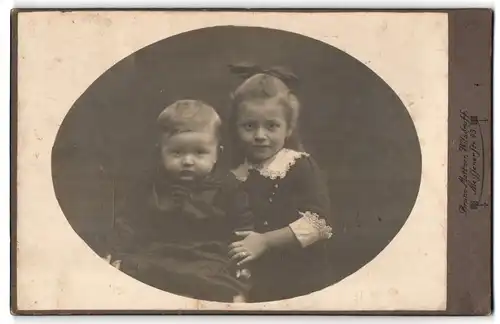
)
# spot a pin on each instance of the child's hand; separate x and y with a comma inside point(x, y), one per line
point(116, 263)
point(250, 248)
point(243, 273)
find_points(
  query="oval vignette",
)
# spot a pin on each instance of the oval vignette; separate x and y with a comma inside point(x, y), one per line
point(352, 122)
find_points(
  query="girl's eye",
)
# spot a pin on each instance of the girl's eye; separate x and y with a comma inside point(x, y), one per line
point(201, 152)
point(248, 126)
point(274, 126)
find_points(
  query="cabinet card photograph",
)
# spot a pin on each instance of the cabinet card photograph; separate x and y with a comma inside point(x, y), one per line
point(249, 162)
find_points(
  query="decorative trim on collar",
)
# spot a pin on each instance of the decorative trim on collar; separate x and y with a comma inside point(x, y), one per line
point(275, 168)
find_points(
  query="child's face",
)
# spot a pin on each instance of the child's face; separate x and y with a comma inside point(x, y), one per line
point(190, 155)
point(262, 128)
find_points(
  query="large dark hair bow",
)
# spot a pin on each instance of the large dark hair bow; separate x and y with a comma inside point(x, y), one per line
point(246, 70)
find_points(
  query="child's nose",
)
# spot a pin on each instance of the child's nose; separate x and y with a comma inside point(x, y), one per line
point(260, 135)
point(187, 160)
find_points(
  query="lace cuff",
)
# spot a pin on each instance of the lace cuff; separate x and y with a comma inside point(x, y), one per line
point(310, 228)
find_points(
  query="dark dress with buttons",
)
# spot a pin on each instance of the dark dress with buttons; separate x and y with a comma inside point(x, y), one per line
point(176, 238)
point(275, 204)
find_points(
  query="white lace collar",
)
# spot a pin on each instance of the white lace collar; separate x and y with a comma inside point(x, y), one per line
point(274, 168)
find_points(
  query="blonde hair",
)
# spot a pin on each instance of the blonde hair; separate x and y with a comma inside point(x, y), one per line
point(189, 116)
point(265, 86)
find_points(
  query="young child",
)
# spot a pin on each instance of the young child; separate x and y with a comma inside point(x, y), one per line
point(174, 231)
point(287, 193)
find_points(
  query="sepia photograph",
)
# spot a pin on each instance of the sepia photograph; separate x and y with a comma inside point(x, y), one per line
point(217, 181)
point(232, 161)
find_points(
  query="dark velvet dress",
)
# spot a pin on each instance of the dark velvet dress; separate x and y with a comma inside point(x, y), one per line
point(176, 238)
point(280, 195)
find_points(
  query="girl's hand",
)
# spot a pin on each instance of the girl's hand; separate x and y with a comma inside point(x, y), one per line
point(250, 248)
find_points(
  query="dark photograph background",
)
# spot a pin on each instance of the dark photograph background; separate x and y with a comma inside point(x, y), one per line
point(352, 122)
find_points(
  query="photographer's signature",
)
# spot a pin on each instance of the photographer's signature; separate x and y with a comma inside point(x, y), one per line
point(471, 176)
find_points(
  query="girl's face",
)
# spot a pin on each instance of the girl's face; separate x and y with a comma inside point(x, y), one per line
point(189, 156)
point(262, 129)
